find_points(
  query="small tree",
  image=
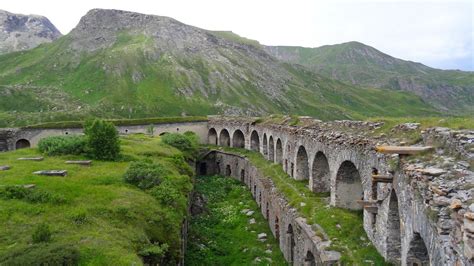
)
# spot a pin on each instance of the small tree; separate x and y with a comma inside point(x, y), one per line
point(102, 140)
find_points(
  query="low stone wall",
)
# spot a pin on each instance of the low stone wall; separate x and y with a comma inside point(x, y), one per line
point(300, 244)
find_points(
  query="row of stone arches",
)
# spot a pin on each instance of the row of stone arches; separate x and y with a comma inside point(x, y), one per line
point(224, 139)
point(348, 189)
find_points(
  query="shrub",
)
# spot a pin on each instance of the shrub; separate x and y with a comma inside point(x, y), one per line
point(185, 143)
point(166, 193)
point(62, 145)
point(30, 195)
point(42, 233)
point(42, 254)
point(102, 140)
point(153, 254)
point(144, 175)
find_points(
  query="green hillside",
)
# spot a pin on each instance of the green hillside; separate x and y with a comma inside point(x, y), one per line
point(126, 71)
point(358, 64)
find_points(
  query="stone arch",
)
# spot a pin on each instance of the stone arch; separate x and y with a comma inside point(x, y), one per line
point(279, 151)
point(348, 186)
point(291, 244)
point(271, 149)
point(22, 143)
point(238, 139)
point(394, 234)
point(277, 230)
point(212, 136)
point(417, 252)
point(224, 138)
point(309, 259)
point(242, 176)
point(254, 141)
point(228, 171)
point(321, 173)
point(302, 167)
point(265, 145)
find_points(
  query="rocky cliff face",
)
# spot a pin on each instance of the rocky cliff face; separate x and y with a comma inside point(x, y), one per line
point(21, 32)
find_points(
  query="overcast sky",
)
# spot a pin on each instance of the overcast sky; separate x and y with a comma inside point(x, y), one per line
point(438, 33)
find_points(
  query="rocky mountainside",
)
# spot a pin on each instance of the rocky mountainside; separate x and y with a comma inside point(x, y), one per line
point(359, 64)
point(21, 32)
point(125, 64)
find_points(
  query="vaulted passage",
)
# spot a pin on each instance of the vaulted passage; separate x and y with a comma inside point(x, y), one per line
point(265, 146)
point(321, 178)
point(238, 139)
point(271, 150)
point(302, 168)
point(254, 141)
point(348, 186)
point(224, 138)
point(279, 152)
point(291, 243)
point(212, 136)
point(22, 143)
point(417, 254)
point(309, 259)
point(393, 226)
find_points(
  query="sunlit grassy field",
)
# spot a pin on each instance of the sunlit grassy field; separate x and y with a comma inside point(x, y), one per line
point(92, 210)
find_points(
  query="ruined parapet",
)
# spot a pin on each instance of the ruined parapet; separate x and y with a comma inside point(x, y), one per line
point(457, 142)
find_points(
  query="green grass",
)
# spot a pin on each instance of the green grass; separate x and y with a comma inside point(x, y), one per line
point(107, 220)
point(223, 235)
point(350, 239)
point(123, 122)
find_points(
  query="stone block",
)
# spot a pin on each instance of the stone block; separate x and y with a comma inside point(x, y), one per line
point(51, 172)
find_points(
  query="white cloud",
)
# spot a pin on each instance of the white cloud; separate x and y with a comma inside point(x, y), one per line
point(437, 33)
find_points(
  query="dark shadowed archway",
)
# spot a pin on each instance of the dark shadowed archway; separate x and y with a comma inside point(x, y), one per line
point(212, 136)
point(265, 146)
point(279, 152)
point(291, 244)
point(224, 138)
point(394, 234)
point(418, 253)
point(271, 149)
point(254, 141)
point(348, 187)
point(238, 139)
point(309, 259)
point(321, 178)
point(22, 144)
point(302, 167)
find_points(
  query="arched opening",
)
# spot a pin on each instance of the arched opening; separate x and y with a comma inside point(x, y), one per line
point(309, 259)
point(321, 179)
point(291, 243)
point(418, 253)
point(22, 143)
point(242, 175)
point(238, 139)
point(375, 184)
point(254, 141)
point(265, 146)
point(212, 136)
point(228, 172)
point(163, 133)
point(348, 186)
point(267, 211)
point(254, 191)
point(260, 198)
point(394, 244)
point(279, 152)
point(271, 150)
point(203, 169)
point(224, 138)
point(302, 168)
point(277, 229)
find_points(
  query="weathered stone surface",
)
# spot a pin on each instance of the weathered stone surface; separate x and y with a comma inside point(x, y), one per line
point(86, 163)
point(262, 236)
point(432, 171)
point(4, 167)
point(31, 159)
point(51, 172)
point(455, 204)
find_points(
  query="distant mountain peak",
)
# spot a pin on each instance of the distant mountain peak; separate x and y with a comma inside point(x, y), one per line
point(22, 32)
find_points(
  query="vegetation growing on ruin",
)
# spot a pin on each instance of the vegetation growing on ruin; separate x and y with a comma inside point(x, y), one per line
point(92, 216)
point(344, 227)
point(222, 235)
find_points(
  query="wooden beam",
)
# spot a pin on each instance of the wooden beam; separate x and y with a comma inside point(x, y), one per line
point(51, 172)
point(371, 209)
point(31, 159)
point(382, 179)
point(86, 163)
point(367, 202)
point(402, 150)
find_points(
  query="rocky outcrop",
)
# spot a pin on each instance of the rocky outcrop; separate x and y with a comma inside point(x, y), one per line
point(24, 32)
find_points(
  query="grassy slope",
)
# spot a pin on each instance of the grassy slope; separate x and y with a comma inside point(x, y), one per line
point(350, 239)
point(118, 217)
point(223, 235)
point(101, 84)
